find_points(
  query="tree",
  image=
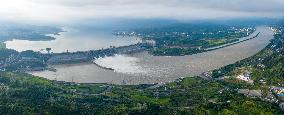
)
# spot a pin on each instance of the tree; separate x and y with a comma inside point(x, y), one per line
point(48, 50)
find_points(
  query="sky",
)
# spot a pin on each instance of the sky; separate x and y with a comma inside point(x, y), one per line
point(68, 11)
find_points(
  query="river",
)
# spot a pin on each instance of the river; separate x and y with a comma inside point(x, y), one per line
point(140, 68)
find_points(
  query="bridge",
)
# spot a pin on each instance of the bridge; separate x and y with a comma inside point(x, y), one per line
point(88, 56)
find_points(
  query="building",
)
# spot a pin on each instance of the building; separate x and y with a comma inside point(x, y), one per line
point(279, 91)
point(245, 77)
point(250, 93)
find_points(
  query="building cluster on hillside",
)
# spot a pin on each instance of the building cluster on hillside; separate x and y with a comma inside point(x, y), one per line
point(278, 91)
point(273, 95)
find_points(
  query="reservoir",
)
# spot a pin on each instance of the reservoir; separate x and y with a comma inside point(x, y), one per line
point(141, 68)
point(74, 39)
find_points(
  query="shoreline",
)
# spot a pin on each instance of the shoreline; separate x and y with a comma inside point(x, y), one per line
point(230, 44)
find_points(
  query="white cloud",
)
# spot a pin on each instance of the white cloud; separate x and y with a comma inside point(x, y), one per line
point(69, 10)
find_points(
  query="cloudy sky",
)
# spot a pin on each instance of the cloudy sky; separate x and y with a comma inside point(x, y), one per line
point(62, 11)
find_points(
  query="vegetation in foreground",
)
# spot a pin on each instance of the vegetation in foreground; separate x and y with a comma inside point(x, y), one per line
point(26, 94)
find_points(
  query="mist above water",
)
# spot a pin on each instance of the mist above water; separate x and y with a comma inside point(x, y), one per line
point(121, 64)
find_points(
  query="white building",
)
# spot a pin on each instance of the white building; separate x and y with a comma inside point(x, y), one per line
point(245, 77)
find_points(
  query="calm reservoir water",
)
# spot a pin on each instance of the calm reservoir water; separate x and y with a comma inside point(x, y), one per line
point(74, 40)
point(144, 68)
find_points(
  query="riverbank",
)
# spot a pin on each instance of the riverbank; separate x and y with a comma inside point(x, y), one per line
point(233, 43)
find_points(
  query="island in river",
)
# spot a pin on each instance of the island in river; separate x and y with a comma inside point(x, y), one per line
point(143, 68)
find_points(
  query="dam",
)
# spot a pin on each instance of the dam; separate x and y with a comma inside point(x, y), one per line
point(88, 56)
